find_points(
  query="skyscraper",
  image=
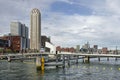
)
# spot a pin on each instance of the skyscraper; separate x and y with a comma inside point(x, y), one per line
point(35, 34)
point(21, 30)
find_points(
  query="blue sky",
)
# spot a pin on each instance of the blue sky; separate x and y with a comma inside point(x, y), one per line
point(68, 22)
point(70, 9)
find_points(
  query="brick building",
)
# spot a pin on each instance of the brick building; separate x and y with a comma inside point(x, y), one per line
point(58, 48)
point(104, 50)
point(15, 43)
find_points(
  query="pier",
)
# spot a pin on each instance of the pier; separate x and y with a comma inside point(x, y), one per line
point(59, 59)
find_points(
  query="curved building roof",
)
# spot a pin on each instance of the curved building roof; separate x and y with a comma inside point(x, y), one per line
point(35, 10)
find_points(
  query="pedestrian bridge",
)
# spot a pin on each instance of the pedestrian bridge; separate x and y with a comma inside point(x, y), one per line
point(62, 53)
point(60, 59)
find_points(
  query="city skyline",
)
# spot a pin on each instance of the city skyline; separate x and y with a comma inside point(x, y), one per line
point(68, 22)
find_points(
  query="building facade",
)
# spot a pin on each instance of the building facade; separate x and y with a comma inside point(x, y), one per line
point(104, 50)
point(43, 40)
point(35, 28)
point(95, 48)
point(14, 42)
point(77, 48)
point(19, 29)
point(67, 49)
point(3, 43)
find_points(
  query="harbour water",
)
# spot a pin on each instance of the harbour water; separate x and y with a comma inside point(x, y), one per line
point(95, 70)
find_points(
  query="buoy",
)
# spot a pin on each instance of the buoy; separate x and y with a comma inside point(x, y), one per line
point(42, 63)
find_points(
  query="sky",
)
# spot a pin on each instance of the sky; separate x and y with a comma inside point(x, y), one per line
point(68, 22)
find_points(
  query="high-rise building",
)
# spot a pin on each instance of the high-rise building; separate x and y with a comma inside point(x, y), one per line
point(35, 34)
point(16, 28)
point(19, 29)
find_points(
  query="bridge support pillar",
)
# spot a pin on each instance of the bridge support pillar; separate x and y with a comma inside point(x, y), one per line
point(107, 58)
point(99, 59)
point(63, 61)
point(77, 59)
point(68, 60)
point(115, 58)
point(9, 59)
point(86, 59)
point(56, 60)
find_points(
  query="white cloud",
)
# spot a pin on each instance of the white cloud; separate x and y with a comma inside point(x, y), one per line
point(71, 29)
point(65, 29)
point(19, 10)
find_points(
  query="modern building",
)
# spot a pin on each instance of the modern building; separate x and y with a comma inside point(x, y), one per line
point(95, 48)
point(51, 46)
point(86, 46)
point(77, 48)
point(19, 29)
point(43, 40)
point(35, 25)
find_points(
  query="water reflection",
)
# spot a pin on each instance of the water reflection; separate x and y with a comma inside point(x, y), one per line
point(104, 70)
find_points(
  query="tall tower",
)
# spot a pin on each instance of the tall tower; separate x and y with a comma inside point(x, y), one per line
point(35, 34)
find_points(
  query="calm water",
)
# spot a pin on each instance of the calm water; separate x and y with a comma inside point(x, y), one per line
point(104, 70)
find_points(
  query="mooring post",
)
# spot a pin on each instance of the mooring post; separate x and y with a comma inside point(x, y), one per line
point(68, 58)
point(107, 58)
point(115, 58)
point(99, 59)
point(77, 56)
point(56, 59)
point(63, 61)
point(86, 59)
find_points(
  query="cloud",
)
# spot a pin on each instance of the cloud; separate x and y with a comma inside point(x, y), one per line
point(19, 10)
point(100, 27)
point(75, 29)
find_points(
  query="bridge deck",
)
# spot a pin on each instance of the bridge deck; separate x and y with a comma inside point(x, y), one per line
point(71, 54)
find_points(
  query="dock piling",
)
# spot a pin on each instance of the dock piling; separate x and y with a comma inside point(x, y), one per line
point(99, 59)
point(86, 59)
point(68, 60)
point(63, 61)
point(77, 59)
